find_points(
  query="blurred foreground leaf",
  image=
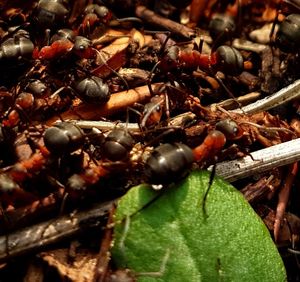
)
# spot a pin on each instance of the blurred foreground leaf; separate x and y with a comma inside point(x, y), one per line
point(230, 244)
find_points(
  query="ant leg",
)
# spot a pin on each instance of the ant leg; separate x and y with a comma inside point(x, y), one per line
point(63, 202)
point(162, 268)
point(150, 77)
point(47, 36)
point(111, 69)
point(283, 198)
point(124, 234)
point(201, 43)
point(278, 11)
point(163, 45)
point(167, 104)
point(229, 92)
point(166, 131)
point(211, 179)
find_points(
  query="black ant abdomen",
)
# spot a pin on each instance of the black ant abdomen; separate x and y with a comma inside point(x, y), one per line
point(16, 47)
point(288, 34)
point(64, 137)
point(51, 13)
point(168, 163)
point(62, 34)
point(93, 90)
point(117, 145)
point(230, 60)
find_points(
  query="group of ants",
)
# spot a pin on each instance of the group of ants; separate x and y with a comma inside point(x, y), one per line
point(44, 47)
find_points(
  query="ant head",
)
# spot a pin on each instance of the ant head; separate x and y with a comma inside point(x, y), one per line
point(152, 114)
point(230, 129)
point(37, 88)
point(82, 43)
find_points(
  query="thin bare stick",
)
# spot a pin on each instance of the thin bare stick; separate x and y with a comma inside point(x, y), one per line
point(106, 125)
point(261, 161)
point(230, 104)
point(152, 18)
point(130, 126)
point(104, 253)
point(117, 102)
point(247, 45)
point(48, 232)
point(283, 198)
point(284, 95)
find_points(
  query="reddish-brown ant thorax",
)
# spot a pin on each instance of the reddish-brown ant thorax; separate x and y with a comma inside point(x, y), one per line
point(211, 145)
point(25, 100)
point(12, 120)
point(55, 50)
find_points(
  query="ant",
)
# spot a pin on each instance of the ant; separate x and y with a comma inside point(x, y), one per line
point(66, 42)
point(114, 149)
point(68, 137)
point(94, 15)
point(171, 162)
point(13, 176)
point(226, 59)
point(26, 102)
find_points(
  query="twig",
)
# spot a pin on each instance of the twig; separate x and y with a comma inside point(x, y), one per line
point(178, 120)
point(247, 45)
point(231, 103)
point(283, 198)
point(35, 237)
point(104, 253)
point(106, 125)
point(261, 161)
point(156, 20)
point(24, 216)
point(284, 95)
point(117, 102)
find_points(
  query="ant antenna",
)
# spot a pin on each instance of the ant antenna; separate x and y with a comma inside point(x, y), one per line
point(162, 267)
point(211, 179)
point(229, 92)
point(111, 69)
point(163, 46)
point(278, 11)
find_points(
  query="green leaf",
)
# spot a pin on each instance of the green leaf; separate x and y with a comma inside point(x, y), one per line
point(229, 243)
